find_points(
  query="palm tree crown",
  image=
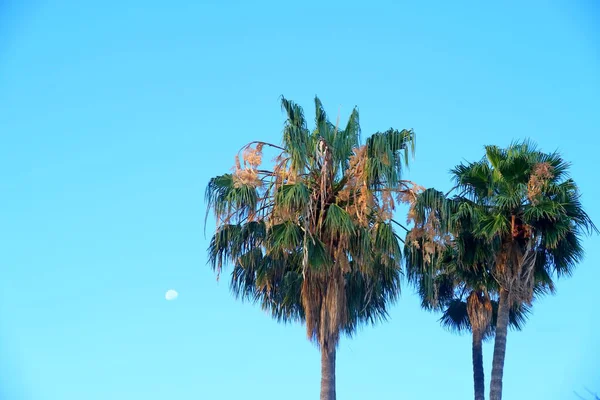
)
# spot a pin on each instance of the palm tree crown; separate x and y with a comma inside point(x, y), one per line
point(311, 237)
point(515, 224)
point(529, 210)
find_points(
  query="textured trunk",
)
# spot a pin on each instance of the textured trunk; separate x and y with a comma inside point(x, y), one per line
point(499, 346)
point(327, 374)
point(478, 376)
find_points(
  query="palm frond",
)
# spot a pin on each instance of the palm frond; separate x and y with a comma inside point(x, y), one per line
point(296, 137)
point(284, 237)
point(387, 152)
point(455, 317)
point(293, 198)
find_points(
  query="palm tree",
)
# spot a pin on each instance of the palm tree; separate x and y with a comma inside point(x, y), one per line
point(528, 210)
point(311, 238)
point(450, 268)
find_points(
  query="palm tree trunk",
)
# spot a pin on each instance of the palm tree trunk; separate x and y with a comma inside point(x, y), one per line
point(327, 373)
point(478, 376)
point(500, 346)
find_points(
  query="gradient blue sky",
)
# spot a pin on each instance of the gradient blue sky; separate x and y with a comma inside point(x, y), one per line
point(114, 115)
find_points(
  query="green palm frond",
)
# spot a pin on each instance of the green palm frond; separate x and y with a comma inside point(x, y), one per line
point(515, 169)
point(323, 128)
point(217, 191)
point(320, 258)
point(491, 225)
point(224, 245)
point(386, 244)
point(495, 155)
point(387, 153)
point(293, 197)
point(284, 237)
point(437, 292)
point(455, 317)
point(543, 283)
point(567, 253)
point(226, 198)
point(544, 210)
point(352, 133)
point(369, 296)
point(231, 241)
point(433, 203)
point(474, 180)
point(296, 137)
point(338, 223)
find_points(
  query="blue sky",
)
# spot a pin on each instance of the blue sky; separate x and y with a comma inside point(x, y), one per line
point(116, 114)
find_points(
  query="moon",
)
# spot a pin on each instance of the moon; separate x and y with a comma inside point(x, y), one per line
point(171, 295)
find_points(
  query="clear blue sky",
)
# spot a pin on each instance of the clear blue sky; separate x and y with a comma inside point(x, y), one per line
point(114, 115)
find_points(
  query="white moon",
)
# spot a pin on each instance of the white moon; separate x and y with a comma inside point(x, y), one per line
point(171, 294)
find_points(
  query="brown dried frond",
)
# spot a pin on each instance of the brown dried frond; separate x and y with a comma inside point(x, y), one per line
point(411, 215)
point(357, 163)
point(344, 194)
point(364, 204)
point(291, 177)
point(284, 174)
point(278, 170)
point(429, 247)
point(356, 193)
point(253, 156)
point(312, 298)
point(541, 174)
point(387, 205)
point(326, 178)
point(333, 311)
point(324, 301)
point(246, 177)
point(280, 214)
point(385, 159)
point(415, 233)
point(247, 174)
point(479, 309)
point(427, 235)
point(515, 270)
point(409, 193)
point(342, 260)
